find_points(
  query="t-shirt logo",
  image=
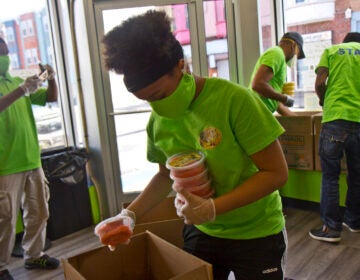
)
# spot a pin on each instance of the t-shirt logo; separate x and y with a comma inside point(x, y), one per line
point(210, 137)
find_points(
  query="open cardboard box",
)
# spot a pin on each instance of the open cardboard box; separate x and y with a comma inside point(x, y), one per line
point(147, 256)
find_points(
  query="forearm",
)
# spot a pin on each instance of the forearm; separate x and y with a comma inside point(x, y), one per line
point(320, 83)
point(272, 175)
point(52, 91)
point(320, 92)
point(267, 91)
point(156, 191)
point(10, 98)
point(256, 187)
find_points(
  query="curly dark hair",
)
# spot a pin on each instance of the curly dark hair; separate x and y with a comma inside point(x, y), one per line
point(139, 43)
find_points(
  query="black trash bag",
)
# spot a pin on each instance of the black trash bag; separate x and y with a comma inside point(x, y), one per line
point(69, 201)
point(67, 166)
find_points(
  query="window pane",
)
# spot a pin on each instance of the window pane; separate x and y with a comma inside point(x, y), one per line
point(131, 113)
point(25, 29)
point(216, 39)
point(266, 24)
point(319, 30)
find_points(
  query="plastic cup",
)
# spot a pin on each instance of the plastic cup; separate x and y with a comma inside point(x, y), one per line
point(114, 231)
point(289, 88)
point(204, 190)
point(193, 181)
point(186, 164)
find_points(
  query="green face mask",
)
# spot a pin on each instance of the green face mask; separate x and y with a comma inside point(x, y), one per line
point(175, 105)
point(4, 64)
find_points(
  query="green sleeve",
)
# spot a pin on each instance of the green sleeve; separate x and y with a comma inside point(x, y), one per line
point(39, 97)
point(324, 62)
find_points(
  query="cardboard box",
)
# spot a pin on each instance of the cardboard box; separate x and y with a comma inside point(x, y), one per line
point(163, 221)
point(317, 128)
point(147, 256)
point(298, 140)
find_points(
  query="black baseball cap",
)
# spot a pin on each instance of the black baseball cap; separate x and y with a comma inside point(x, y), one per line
point(298, 40)
point(352, 37)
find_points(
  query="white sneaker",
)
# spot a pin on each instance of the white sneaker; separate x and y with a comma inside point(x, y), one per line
point(351, 229)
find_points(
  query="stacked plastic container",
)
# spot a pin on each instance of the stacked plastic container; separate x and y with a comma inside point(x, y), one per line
point(189, 171)
point(289, 88)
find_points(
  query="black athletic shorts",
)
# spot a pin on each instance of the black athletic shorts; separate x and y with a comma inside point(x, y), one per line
point(253, 259)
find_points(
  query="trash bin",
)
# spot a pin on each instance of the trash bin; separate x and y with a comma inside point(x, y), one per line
point(69, 203)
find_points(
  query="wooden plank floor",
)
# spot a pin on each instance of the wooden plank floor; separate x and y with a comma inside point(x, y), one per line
point(307, 259)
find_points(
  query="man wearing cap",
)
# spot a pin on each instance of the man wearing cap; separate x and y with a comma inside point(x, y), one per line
point(338, 88)
point(269, 74)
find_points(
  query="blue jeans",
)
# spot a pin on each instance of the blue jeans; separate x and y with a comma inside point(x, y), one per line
point(336, 138)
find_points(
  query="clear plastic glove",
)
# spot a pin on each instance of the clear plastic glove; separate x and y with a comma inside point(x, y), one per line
point(116, 230)
point(193, 208)
point(30, 85)
point(289, 101)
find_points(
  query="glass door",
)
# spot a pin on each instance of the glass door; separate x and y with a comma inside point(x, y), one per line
point(130, 114)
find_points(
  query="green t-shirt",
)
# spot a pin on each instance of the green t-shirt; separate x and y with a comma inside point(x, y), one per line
point(342, 96)
point(228, 124)
point(275, 59)
point(19, 146)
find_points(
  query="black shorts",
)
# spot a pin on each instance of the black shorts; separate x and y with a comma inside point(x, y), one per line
point(253, 259)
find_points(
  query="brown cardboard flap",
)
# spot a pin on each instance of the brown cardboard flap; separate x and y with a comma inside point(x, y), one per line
point(169, 230)
point(70, 272)
point(147, 256)
point(163, 211)
point(177, 261)
point(105, 264)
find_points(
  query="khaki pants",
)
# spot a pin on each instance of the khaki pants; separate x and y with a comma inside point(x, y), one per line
point(27, 190)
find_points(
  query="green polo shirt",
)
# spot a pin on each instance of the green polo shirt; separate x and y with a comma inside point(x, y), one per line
point(19, 147)
point(228, 124)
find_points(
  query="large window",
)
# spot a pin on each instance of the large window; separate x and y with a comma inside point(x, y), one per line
point(25, 26)
point(319, 30)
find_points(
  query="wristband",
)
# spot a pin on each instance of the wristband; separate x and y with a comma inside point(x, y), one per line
point(130, 214)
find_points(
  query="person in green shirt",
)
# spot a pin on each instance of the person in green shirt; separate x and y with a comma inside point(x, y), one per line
point(241, 228)
point(337, 85)
point(22, 180)
point(269, 74)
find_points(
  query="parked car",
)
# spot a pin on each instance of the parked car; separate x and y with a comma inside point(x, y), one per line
point(49, 126)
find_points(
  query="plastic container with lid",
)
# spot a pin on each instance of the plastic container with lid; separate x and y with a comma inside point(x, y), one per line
point(186, 164)
point(289, 88)
point(204, 190)
point(113, 231)
point(193, 181)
